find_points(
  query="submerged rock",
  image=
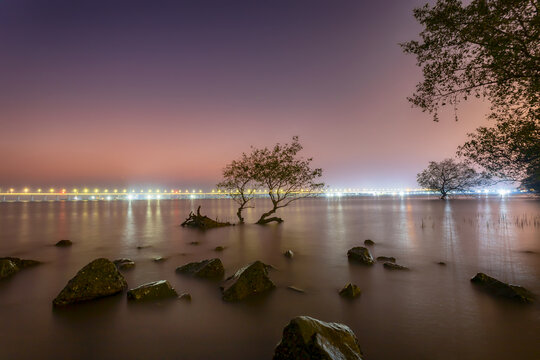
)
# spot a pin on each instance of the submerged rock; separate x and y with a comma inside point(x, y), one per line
point(350, 291)
point(308, 338)
point(442, 263)
point(7, 268)
point(297, 289)
point(289, 254)
point(124, 264)
point(210, 269)
point(194, 243)
point(157, 290)
point(498, 288)
point(247, 281)
point(369, 242)
point(97, 279)
point(185, 297)
point(360, 254)
point(219, 248)
point(392, 266)
point(64, 243)
point(21, 263)
point(159, 259)
point(386, 258)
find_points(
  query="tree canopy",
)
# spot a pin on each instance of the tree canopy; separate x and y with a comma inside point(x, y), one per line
point(449, 176)
point(488, 48)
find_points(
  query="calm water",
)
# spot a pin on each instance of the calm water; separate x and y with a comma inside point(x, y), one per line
point(431, 312)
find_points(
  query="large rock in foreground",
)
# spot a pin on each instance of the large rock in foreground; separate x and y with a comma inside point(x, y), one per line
point(209, 269)
point(308, 338)
point(360, 254)
point(7, 268)
point(248, 281)
point(499, 288)
point(98, 279)
point(157, 290)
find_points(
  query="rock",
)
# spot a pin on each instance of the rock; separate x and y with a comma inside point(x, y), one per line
point(219, 248)
point(369, 242)
point(386, 258)
point(7, 268)
point(159, 259)
point(140, 247)
point(250, 280)
point(210, 269)
point(360, 254)
point(124, 264)
point(22, 263)
point(64, 243)
point(392, 266)
point(498, 288)
point(157, 290)
point(194, 243)
point(350, 291)
point(308, 338)
point(297, 289)
point(288, 254)
point(442, 263)
point(185, 297)
point(97, 279)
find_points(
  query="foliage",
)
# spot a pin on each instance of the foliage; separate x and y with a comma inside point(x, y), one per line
point(286, 176)
point(488, 48)
point(509, 151)
point(238, 183)
point(448, 175)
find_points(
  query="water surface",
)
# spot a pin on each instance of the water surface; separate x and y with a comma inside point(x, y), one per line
point(430, 312)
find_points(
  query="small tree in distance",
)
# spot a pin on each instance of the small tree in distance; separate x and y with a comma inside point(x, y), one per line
point(286, 176)
point(448, 175)
point(238, 183)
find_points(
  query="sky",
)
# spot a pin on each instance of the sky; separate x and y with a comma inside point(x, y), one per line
point(166, 93)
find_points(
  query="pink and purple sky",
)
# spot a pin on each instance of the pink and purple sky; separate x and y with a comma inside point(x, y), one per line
point(121, 93)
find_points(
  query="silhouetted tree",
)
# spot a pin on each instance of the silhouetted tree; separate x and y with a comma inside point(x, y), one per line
point(448, 175)
point(287, 176)
point(488, 48)
point(508, 151)
point(238, 183)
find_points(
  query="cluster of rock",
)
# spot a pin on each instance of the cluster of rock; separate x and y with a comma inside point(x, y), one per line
point(362, 255)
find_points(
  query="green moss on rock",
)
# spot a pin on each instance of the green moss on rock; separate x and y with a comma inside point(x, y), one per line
point(350, 291)
point(392, 266)
point(498, 288)
point(360, 254)
point(248, 281)
point(97, 279)
point(210, 269)
point(7, 268)
point(308, 338)
point(157, 290)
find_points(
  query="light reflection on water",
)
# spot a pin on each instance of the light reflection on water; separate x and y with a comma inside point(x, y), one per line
point(431, 312)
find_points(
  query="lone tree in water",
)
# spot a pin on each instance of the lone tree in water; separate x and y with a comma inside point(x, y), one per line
point(447, 176)
point(238, 183)
point(287, 176)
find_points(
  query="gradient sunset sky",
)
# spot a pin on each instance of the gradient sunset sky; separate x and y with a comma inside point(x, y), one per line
point(105, 93)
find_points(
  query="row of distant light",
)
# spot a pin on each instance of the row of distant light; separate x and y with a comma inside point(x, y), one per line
point(27, 190)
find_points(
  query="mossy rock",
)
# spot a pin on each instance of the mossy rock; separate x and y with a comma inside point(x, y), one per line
point(369, 242)
point(308, 338)
point(392, 266)
point(248, 281)
point(360, 254)
point(124, 264)
point(157, 290)
point(350, 291)
point(64, 243)
point(289, 254)
point(210, 269)
point(97, 279)
point(219, 248)
point(22, 263)
point(7, 268)
point(386, 259)
point(185, 297)
point(499, 288)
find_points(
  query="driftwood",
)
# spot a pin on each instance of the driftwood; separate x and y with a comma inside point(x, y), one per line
point(203, 222)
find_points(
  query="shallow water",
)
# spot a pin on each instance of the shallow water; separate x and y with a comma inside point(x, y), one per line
point(430, 312)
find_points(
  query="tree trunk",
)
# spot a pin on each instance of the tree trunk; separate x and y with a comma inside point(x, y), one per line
point(239, 214)
point(265, 217)
point(443, 196)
